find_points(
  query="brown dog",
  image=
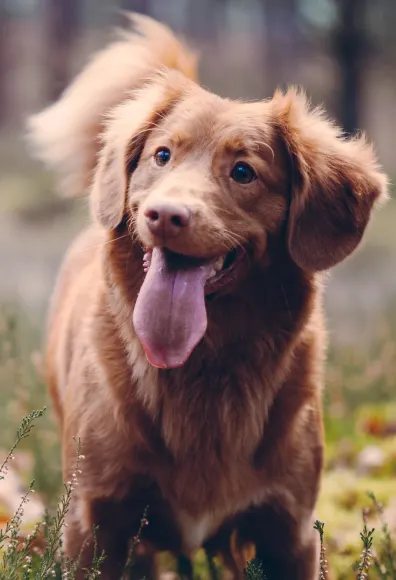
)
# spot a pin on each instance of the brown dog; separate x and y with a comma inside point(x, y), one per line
point(186, 338)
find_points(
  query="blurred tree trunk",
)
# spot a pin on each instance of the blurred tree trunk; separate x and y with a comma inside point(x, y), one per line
point(202, 18)
point(282, 43)
point(350, 48)
point(4, 22)
point(142, 6)
point(61, 24)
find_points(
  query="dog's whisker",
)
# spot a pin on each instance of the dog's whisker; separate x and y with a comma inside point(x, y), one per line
point(267, 146)
point(154, 125)
point(234, 239)
point(286, 302)
point(103, 244)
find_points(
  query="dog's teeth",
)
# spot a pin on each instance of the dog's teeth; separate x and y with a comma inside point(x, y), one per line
point(146, 261)
point(219, 263)
point(212, 274)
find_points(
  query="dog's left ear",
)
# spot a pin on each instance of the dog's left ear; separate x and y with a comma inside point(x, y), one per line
point(334, 184)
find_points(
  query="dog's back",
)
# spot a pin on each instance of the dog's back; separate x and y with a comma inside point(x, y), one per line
point(70, 301)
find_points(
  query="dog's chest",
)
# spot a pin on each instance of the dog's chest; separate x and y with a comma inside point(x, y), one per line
point(204, 496)
point(195, 530)
point(210, 427)
point(200, 526)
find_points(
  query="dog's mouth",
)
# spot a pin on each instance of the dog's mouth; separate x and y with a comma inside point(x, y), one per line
point(222, 271)
point(170, 312)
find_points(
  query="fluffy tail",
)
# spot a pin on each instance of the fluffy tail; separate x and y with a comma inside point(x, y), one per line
point(65, 135)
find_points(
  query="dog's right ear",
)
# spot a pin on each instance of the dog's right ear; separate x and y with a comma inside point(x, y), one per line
point(127, 130)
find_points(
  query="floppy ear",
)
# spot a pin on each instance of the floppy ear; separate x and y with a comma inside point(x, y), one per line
point(334, 183)
point(109, 188)
point(128, 127)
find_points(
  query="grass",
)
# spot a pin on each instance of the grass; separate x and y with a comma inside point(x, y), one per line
point(360, 414)
point(22, 389)
point(39, 555)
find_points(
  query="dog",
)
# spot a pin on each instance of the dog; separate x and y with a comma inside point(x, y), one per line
point(186, 336)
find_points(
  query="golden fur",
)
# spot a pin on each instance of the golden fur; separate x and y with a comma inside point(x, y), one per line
point(230, 443)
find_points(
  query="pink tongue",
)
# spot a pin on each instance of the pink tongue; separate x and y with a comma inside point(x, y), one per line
point(170, 314)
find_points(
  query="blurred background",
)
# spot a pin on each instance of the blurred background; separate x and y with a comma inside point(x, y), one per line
point(343, 52)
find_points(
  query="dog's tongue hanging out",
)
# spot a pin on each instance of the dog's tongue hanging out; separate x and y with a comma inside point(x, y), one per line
point(170, 314)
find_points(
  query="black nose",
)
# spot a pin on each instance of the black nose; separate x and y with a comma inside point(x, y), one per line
point(167, 219)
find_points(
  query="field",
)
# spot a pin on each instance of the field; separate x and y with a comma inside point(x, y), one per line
point(360, 401)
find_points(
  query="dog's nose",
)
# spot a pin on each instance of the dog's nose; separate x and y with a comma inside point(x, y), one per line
point(167, 220)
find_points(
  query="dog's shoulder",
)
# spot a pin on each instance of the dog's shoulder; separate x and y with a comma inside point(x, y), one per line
point(74, 295)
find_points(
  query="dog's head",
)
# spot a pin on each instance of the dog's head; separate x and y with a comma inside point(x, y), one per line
point(205, 182)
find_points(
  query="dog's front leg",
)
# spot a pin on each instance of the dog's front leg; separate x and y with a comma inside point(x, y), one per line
point(286, 545)
point(111, 537)
point(291, 564)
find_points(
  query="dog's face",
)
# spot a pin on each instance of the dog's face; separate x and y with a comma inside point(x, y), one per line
point(209, 184)
point(205, 182)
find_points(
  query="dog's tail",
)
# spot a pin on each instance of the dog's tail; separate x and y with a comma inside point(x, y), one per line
point(65, 136)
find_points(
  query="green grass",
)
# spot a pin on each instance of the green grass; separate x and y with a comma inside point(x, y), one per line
point(22, 389)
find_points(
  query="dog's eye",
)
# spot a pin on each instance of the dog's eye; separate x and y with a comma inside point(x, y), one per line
point(243, 173)
point(162, 156)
